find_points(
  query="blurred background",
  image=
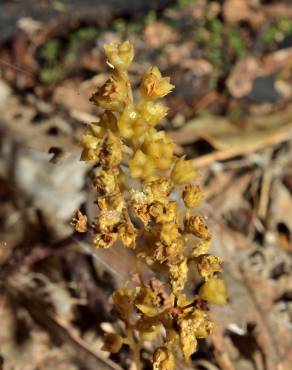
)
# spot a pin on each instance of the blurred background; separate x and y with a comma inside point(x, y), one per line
point(231, 113)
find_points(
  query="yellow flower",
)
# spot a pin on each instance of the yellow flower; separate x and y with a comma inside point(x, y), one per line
point(196, 225)
point(105, 181)
point(183, 171)
point(112, 342)
point(105, 240)
point(159, 148)
point(146, 302)
point(178, 275)
point(151, 299)
point(163, 213)
point(170, 253)
point(195, 324)
point(192, 196)
point(214, 291)
point(141, 166)
point(153, 85)
point(127, 234)
point(207, 265)
point(107, 220)
point(152, 113)
point(112, 95)
point(130, 124)
point(91, 147)
point(163, 359)
point(123, 301)
point(79, 221)
point(119, 56)
point(159, 188)
point(169, 233)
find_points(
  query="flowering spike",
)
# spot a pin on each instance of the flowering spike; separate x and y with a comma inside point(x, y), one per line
point(154, 218)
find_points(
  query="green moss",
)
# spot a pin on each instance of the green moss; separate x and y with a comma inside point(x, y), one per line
point(50, 52)
point(76, 40)
point(151, 17)
point(285, 25)
point(52, 75)
point(270, 34)
point(56, 54)
point(214, 44)
point(183, 3)
point(281, 28)
point(235, 41)
point(86, 34)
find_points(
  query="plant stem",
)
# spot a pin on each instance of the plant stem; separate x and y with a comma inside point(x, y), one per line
point(135, 348)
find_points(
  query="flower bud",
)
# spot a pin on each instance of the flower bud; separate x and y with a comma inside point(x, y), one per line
point(105, 181)
point(141, 166)
point(120, 56)
point(196, 225)
point(208, 265)
point(127, 234)
point(112, 342)
point(192, 196)
point(192, 325)
point(183, 171)
point(163, 359)
point(178, 275)
point(214, 291)
point(112, 95)
point(153, 85)
point(79, 222)
point(153, 113)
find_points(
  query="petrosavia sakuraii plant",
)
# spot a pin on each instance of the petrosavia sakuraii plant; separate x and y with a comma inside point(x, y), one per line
point(147, 200)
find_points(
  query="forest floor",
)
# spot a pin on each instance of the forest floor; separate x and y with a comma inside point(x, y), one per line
point(231, 113)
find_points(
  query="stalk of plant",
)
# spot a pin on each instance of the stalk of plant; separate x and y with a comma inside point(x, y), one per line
point(147, 199)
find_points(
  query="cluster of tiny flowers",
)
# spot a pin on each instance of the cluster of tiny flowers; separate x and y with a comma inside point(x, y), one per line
point(147, 200)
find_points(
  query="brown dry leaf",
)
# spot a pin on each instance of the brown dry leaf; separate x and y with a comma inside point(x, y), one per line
point(73, 95)
point(236, 10)
point(241, 78)
point(252, 134)
point(200, 67)
point(231, 184)
point(254, 327)
point(278, 9)
point(35, 351)
point(243, 309)
point(281, 211)
point(157, 34)
point(239, 10)
point(57, 327)
point(175, 54)
point(17, 122)
point(280, 59)
point(118, 261)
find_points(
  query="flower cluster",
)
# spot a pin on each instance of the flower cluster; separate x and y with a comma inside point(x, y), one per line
point(147, 200)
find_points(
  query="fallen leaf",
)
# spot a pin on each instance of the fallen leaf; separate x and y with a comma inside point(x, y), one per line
point(240, 80)
point(157, 34)
point(248, 135)
point(240, 10)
